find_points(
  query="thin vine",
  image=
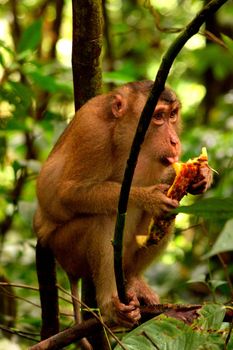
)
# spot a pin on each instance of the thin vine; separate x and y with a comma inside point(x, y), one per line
point(191, 29)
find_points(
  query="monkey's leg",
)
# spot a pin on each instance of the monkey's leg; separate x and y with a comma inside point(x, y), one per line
point(98, 340)
point(46, 273)
point(106, 293)
point(84, 343)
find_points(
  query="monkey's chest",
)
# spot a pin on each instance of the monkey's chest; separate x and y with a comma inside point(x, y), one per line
point(137, 222)
point(147, 173)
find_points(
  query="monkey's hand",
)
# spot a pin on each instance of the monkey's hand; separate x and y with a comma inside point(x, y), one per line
point(126, 315)
point(157, 202)
point(203, 181)
point(194, 176)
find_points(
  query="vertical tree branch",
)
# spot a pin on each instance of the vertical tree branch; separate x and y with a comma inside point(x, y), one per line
point(109, 56)
point(167, 61)
point(56, 27)
point(87, 80)
point(15, 26)
point(86, 50)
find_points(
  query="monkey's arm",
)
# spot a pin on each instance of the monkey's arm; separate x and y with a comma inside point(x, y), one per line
point(102, 198)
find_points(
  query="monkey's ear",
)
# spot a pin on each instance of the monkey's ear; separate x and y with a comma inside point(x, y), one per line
point(118, 106)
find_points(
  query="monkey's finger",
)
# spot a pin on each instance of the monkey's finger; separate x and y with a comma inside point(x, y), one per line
point(127, 308)
point(121, 307)
point(166, 207)
point(206, 171)
point(199, 187)
point(171, 204)
point(163, 187)
point(135, 303)
point(134, 316)
point(132, 297)
point(174, 203)
point(127, 315)
point(128, 319)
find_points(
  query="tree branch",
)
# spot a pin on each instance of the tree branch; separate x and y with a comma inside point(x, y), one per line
point(86, 50)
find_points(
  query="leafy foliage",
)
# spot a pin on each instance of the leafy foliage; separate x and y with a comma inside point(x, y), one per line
point(222, 208)
point(31, 37)
point(166, 333)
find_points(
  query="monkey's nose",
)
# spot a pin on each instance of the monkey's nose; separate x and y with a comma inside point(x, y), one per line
point(174, 141)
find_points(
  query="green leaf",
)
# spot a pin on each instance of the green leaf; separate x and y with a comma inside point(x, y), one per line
point(211, 317)
point(31, 37)
point(224, 242)
point(48, 82)
point(200, 279)
point(210, 208)
point(22, 93)
point(45, 82)
point(166, 333)
point(214, 284)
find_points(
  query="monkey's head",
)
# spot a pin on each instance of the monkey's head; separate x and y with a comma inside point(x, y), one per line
point(162, 143)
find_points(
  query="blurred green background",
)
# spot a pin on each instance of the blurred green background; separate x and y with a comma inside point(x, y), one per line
point(36, 102)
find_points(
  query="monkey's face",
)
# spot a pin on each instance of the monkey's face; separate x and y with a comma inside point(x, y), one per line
point(161, 146)
point(162, 137)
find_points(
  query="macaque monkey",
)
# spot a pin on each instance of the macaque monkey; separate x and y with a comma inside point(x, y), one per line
point(79, 185)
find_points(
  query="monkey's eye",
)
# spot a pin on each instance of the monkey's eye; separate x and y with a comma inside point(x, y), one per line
point(159, 117)
point(173, 115)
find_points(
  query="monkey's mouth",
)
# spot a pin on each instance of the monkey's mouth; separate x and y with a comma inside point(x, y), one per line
point(169, 160)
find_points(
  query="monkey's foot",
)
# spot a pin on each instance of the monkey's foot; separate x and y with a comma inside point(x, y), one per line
point(144, 293)
point(126, 315)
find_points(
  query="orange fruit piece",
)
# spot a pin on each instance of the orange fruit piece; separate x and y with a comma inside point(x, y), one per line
point(186, 174)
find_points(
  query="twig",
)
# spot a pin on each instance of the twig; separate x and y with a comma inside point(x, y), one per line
point(18, 285)
point(214, 38)
point(13, 296)
point(157, 17)
point(19, 333)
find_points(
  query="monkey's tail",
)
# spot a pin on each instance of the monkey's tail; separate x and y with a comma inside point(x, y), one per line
point(46, 273)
